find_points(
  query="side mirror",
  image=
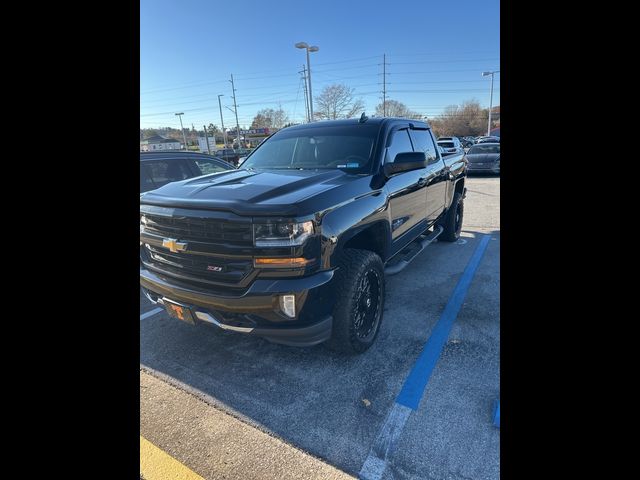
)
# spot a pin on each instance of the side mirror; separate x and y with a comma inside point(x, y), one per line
point(405, 162)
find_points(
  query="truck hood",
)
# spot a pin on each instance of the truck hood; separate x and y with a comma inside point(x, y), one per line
point(261, 192)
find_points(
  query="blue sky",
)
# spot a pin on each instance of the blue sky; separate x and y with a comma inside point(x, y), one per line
point(436, 51)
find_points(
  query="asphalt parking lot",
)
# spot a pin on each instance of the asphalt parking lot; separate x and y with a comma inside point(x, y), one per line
point(322, 412)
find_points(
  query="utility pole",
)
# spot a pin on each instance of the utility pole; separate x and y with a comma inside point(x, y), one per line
point(206, 139)
point(183, 135)
point(310, 95)
point(224, 132)
point(235, 108)
point(490, 107)
point(306, 99)
point(384, 84)
point(486, 74)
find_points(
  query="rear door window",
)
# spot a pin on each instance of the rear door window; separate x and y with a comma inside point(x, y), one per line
point(423, 142)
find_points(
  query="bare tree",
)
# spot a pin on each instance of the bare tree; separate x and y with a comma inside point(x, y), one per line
point(337, 101)
point(270, 118)
point(461, 120)
point(396, 109)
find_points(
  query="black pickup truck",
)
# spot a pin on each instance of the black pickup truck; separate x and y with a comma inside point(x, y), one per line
point(294, 246)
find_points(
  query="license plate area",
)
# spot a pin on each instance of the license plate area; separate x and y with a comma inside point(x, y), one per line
point(179, 311)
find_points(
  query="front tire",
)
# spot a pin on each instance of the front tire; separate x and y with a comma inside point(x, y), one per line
point(360, 291)
point(453, 220)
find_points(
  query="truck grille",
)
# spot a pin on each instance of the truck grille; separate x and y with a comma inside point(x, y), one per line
point(201, 230)
point(218, 251)
point(215, 269)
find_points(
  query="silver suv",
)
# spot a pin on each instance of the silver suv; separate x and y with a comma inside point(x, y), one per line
point(450, 144)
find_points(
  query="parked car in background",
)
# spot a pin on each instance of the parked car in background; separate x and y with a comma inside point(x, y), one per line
point(484, 158)
point(159, 168)
point(486, 139)
point(467, 141)
point(228, 155)
point(450, 144)
point(243, 153)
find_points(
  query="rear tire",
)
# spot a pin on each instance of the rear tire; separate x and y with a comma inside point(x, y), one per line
point(453, 220)
point(360, 292)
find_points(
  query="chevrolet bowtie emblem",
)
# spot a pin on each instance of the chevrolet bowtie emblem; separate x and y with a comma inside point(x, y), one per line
point(174, 245)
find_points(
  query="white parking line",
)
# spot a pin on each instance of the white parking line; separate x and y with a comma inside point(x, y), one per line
point(151, 313)
point(376, 462)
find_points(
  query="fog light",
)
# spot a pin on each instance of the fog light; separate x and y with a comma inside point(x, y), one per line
point(288, 305)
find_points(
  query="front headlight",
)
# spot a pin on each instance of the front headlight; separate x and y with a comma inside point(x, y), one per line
point(282, 234)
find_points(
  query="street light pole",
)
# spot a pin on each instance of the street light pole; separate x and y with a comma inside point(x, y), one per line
point(485, 74)
point(309, 49)
point(183, 135)
point(224, 132)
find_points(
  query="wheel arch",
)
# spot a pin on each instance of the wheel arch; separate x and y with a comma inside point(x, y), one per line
point(374, 237)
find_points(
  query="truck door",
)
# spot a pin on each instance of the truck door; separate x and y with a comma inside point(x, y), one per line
point(436, 177)
point(407, 194)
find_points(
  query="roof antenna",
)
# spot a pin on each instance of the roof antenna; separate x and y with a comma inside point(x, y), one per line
point(363, 118)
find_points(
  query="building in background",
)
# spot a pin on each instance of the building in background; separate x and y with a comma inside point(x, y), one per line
point(157, 143)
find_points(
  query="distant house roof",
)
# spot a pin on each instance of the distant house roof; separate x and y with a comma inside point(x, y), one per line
point(158, 139)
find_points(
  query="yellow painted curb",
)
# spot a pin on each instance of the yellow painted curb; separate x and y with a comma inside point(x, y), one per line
point(158, 465)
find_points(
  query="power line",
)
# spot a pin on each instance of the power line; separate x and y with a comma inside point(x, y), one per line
point(181, 87)
point(445, 61)
point(438, 71)
point(430, 82)
point(347, 61)
point(294, 100)
point(437, 53)
point(347, 68)
point(384, 85)
point(441, 91)
point(192, 84)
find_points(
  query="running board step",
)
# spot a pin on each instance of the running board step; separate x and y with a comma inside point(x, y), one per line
point(415, 248)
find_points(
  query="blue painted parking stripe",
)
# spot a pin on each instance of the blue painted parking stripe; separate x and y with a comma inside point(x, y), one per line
point(409, 397)
point(416, 382)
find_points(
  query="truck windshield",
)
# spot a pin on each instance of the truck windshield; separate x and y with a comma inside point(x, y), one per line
point(349, 148)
